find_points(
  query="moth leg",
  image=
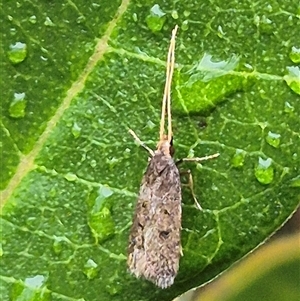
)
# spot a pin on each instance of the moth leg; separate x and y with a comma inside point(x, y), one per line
point(197, 159)
point(188, 172)
point(139, 141)
point(190, 184)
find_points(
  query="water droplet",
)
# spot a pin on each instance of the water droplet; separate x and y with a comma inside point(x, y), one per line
point(248, 66)
point(151, 124)
point(186, 13)
point(70, 177)
point(293, 78)
point(295, 55)
point(100, 219)
point(53, 192)
point(31, 289)
point(57, 245)
point(32, 222)
point(17, 52)
point(264, 171)
point(90, 269)
point(93, 163)
point(238, 158)
point(207, 69)
point(36, 281)
point(295, 182)
point(185, 25)
point(175, 14)
point(17, 106)
point(263, 23)
point(81, 19)
point(156, 19)
point(288, 108)
point(269, 8)
point(13, 31)
point(273, 139)
point(134, 17)
point(266, 25)
point(221, 32)
point(32, 19)
point(48, 22)
point(76, 130)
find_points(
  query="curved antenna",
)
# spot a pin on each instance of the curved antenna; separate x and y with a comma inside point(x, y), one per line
point(167, 92)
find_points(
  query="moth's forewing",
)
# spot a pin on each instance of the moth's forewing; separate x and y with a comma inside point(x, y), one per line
point(154, 241)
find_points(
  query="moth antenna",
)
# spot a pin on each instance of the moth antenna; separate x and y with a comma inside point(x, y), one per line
point(167, 92)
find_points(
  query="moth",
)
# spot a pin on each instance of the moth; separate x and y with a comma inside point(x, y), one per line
point(154, 248)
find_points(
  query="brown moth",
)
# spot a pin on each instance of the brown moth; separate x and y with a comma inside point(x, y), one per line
point(154, 247)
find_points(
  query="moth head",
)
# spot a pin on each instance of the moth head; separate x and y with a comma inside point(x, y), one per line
point(166, 146)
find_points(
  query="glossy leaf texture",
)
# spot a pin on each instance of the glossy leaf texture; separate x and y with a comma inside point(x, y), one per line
point(77, 75)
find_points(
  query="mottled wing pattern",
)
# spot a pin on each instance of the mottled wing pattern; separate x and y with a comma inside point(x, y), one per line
point(154, 242)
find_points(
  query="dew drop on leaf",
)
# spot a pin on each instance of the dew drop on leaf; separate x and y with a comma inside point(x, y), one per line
point(186, 13)
point(76, 130)
point(134, 17)
point(293, 78)
point(17, 106)
point(156, 18)
point(207, 69)
point(90, 269)
point(295, 55)
point(273, 139)
point(31, 222)
point(288, 108)
point(238, 158)
point(266, 25)
point(93, 163)
point(32, 19)
point(264, 171)
point(80, 20)
point(174, 14)
point(17, 52)
point(150, 124)
point(185, 25)
point(48, 22)
point(100, 219)
point(29, 290)
point(52, 192)
point(57, 245)
point(70, 177)
point(35, 281)
point(221, 32)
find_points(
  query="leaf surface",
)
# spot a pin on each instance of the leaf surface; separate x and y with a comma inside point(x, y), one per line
point(77, 75)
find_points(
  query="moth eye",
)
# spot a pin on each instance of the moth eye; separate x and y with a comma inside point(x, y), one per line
point(164, 234)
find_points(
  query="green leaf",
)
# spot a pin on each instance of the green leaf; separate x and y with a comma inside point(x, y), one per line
point(70, 172)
